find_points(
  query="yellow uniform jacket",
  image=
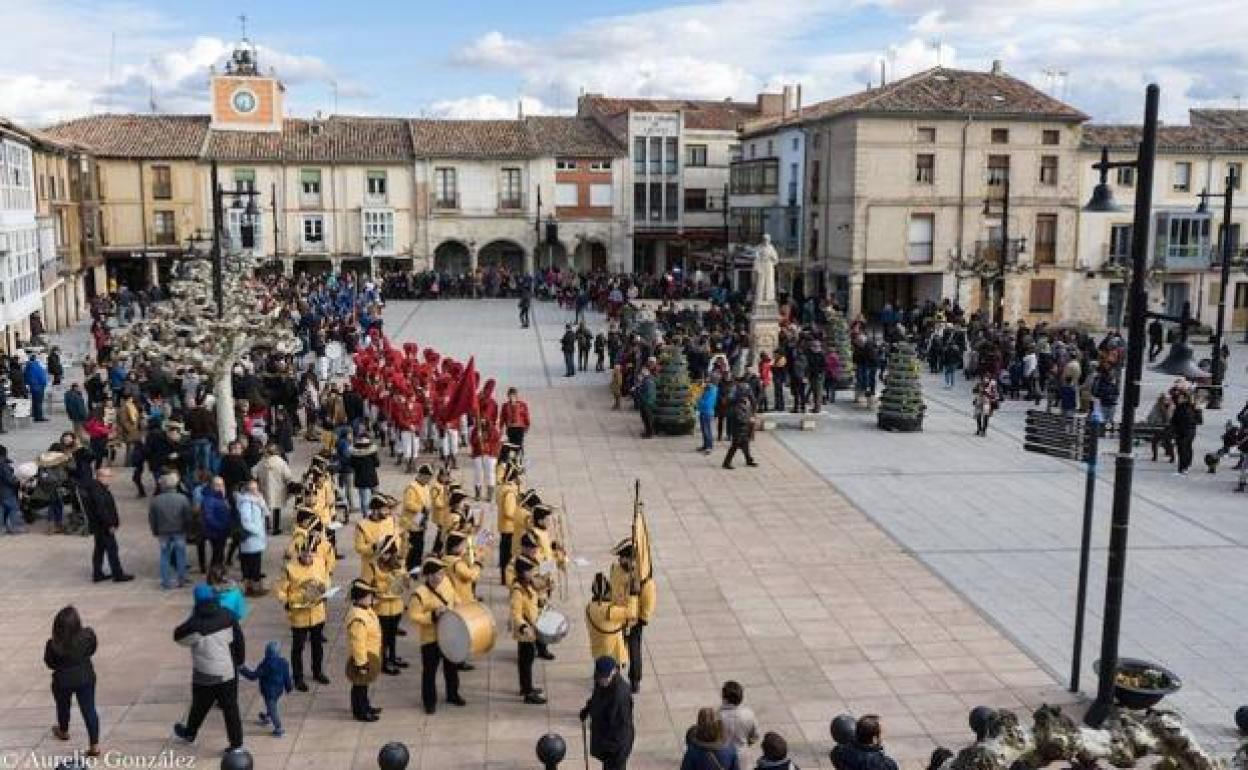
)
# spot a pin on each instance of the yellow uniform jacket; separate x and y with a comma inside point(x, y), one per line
point(368, 534)
point(324, 553)
point(605, 623)
point(508, 507)
point(363, 635)
point(289, 592)
point(417, 501)
point(325, 497)
point(620, 592)
point(464, 574)
point(425, 603)
point(440, 502)
point(525, 608)
point(389, 584)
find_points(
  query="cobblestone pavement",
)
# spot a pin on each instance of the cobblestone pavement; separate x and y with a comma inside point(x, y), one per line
point(1002, 527)
point(767, 575)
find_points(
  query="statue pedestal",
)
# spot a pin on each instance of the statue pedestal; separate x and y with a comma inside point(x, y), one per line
point(764, 328)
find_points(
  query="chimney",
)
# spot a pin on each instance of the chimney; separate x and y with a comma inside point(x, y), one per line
point(797, 108)
point(883, 72)
point(787, 96)
point(996, 67)
point(770, 105)
point(520, 109)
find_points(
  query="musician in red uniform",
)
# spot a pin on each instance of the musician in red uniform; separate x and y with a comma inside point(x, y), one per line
point(514, 418)
point(485, 442)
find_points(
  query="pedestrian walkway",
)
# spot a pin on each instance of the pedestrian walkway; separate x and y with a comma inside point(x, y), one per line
point(768, 576)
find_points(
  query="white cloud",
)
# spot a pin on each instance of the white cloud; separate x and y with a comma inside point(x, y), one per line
point(486, 106)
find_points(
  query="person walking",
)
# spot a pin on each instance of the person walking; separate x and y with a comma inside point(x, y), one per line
point(216, 519)
point(647, 399)
point(567, 343)
point(514, 419)
point(100, 509)
point(951, 359)
point(36, 379)
point(364, 464)
point(707, 401)
point(584, 342)
point(218, 648)
point(272, 675)
point(10, 512)
point(68, 654)
point(169, 516)
point(76, 410)
point(253, 522)
point(740, 425)
point(610, 714)
point(983, 402)
point(1183, 423)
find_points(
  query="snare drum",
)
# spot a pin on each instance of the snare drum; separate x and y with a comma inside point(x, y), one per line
point(551, 626)
point(465, 632)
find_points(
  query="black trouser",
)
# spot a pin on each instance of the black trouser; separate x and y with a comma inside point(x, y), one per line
point(218, 549)
point(742, 443)
point(225, 697)
point(389, 637)
point(250, 564)
point(616, 761)
point(1184, 442)
point(515, 435)
point(721, 414)
point(598, 361)
point(524, 317)
point(86, 705)
point(568, 364)
point(105, 546)
point(315, 634)
point(360, 705)
point(277, 521)
point(526, 652)
point(415, 549)
point(201, 550)
point(633, 639)
point(582, 359)
point(816, 392)
point(504, 550)
point(1154, 347)
point(1163, 440)
point(981, 423)
point(430, 658)
point(798, 389)
point(647, 421)
point(777, 386)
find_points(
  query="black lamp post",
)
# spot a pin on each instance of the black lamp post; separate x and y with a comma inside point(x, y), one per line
point(247, 224)
point(1218, 366)
point(1003, 261)
point(1124, 462)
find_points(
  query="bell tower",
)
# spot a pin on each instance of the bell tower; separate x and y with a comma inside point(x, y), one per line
point(243, 99)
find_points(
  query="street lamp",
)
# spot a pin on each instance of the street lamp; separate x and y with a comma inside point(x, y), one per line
point(1219, 366)
point(247, 221)
point(996, 272)
point(373, 242)
point(1124, 462)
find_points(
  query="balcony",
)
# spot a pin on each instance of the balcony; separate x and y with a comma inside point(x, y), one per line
point(376, 199)
point(511, 203)
point(447, 202)
point(990, 252)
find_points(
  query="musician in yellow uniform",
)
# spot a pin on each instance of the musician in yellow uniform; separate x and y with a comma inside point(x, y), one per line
point(508, 502)
point(606, 622)
point(462, 569)
point(369, 533)
point(525, 607)
point(431, 598)
point(440, 500)
point(625, 582)
point(301, 590)
point(308, 525)
point(364, 644)
point(389, 580)
point(417, 505)
point(528, 549)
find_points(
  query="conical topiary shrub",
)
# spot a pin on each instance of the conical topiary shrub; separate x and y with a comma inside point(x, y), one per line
point(901, 405)
point(673, 412)
point(838, 339)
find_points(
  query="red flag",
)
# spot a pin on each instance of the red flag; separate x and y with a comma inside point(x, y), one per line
point(463, 398)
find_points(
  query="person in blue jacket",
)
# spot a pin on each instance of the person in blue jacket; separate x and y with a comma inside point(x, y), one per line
point(36, 379)
point(273, 677)
point(706, 413)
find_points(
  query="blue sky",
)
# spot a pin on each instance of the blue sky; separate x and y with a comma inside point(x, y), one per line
point(476, 58)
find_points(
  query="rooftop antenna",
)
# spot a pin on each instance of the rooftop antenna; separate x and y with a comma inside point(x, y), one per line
point(242, 23)
point(938, 44)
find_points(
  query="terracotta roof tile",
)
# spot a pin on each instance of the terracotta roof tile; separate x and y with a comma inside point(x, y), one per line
point(471, 139)
point(707, 115)
point(578, 137)
point(1218, 118)
point(1169, 138)
point(136, 136)
point(336, 139)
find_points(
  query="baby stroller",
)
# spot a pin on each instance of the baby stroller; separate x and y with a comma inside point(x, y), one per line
point(45, 483)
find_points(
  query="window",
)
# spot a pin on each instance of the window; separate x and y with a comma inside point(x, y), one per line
point(1188, 236)
point(814, 181)
point(1042, 291)
point(164, 231)
point(817, 140)
point(671, 202)
point(1046, 239)
point(565, 164)
point(639, 200)
point(926, 135)
point(695, 154)
point(601, 195)
point(792, 197)
point(695, 199)
point(509, 192)
point(925, 168)
point(797, 144)
point(376, 185)
point(753, 150)
point(671, 155)
point(1126, 177)
point(162, 183)
point(379, 232)
point(1000, 136)
point(1051, 136)
point(655, 202)
point(922, 231)
point(998, 170)
point(314, 233)
point(1182, 176)
point(1236, 172)
point(310, 185)
point(734, 152)
point(639, 155)
point(445, 194)
point(771, 149)
point(1119, 243)
point(567, 194)
point(1234, 237)
point(600, 165)
point(244, 179)
point(1048, 170)
point(656, 155)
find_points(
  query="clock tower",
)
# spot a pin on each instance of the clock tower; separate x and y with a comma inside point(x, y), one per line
point(242, 98)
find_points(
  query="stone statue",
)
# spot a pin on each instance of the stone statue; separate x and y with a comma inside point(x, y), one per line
point(765, 261)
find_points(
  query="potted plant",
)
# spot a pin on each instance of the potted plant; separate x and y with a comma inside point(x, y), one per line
point(1139, 684)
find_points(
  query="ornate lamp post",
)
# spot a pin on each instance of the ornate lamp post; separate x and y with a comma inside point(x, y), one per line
point(1219, 366)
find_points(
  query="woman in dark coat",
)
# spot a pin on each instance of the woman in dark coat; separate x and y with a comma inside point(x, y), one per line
point(68, 653)
point(364, 464)
point(705, 747)
point(1183, 422)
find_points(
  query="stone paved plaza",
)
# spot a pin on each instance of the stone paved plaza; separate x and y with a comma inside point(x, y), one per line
point(835, 577)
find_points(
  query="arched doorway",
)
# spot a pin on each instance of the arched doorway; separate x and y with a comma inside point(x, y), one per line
point(591, 256)
point(498, 254)
point(451, 258)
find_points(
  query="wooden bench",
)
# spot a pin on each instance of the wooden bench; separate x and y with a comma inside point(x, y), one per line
point(1141, 432)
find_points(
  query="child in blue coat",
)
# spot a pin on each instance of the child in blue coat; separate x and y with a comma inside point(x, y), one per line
point(273, 675)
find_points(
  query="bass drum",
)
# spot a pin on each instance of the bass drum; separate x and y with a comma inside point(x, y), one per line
point(466, 632)
point(551, 626)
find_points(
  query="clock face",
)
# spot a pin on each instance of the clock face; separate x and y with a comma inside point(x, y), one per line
point(244, 101)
